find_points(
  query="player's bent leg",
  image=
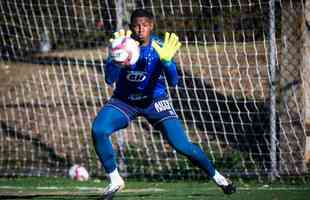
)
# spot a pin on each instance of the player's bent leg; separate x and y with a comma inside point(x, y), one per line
point(174, 132)
point(108, 121)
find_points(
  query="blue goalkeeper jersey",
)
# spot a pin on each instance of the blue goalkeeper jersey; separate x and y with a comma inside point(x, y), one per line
point(144, 80)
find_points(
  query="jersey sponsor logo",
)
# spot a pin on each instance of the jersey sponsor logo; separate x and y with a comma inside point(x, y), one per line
point(136, 76)
point(162, 105)
point(135, 97)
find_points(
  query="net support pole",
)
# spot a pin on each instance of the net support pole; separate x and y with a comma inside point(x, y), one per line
point(120, 13)
point(120, 24)
point(272, 77)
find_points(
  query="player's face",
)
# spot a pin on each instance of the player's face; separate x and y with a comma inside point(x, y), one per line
point(142, 28)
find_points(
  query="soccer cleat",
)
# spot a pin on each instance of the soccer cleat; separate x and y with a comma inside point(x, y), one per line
point(228, 189)
point(111, 189)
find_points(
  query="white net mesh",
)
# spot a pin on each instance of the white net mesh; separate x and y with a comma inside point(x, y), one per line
point(52, 86)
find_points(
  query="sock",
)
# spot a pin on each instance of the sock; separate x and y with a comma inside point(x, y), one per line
point(219, 179)
point(115, 178)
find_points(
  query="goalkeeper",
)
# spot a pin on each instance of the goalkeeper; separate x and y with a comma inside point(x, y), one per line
point(141, 91)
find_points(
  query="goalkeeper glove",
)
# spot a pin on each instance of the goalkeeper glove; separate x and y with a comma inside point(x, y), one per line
point(120, 34)
point(169, 48)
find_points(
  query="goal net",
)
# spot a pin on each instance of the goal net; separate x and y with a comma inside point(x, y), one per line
point(243, 93)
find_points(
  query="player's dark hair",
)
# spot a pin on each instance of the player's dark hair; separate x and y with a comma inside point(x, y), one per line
point(141, 13)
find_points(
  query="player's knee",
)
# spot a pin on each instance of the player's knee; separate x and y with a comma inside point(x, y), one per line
point(99, 130)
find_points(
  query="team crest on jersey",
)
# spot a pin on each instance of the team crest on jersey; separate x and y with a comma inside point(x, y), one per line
point(162, 105)
point(136, 76)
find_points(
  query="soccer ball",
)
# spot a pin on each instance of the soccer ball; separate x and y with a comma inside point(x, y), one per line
point(124, 51)
point(78, 172)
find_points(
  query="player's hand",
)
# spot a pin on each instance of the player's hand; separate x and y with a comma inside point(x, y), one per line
point(169, 48)
point(120, 34)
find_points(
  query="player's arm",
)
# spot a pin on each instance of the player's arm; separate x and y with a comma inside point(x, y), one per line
point(111, 72)
point(166, 52)
point(171, 73)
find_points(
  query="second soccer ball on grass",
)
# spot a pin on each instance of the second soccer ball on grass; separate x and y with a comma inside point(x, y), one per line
point(78, 173)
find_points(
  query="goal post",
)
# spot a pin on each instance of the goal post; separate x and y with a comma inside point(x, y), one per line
point(242, 93)
point(272, 47)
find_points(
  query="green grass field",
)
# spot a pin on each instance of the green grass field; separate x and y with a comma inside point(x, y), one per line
point(62, 188)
